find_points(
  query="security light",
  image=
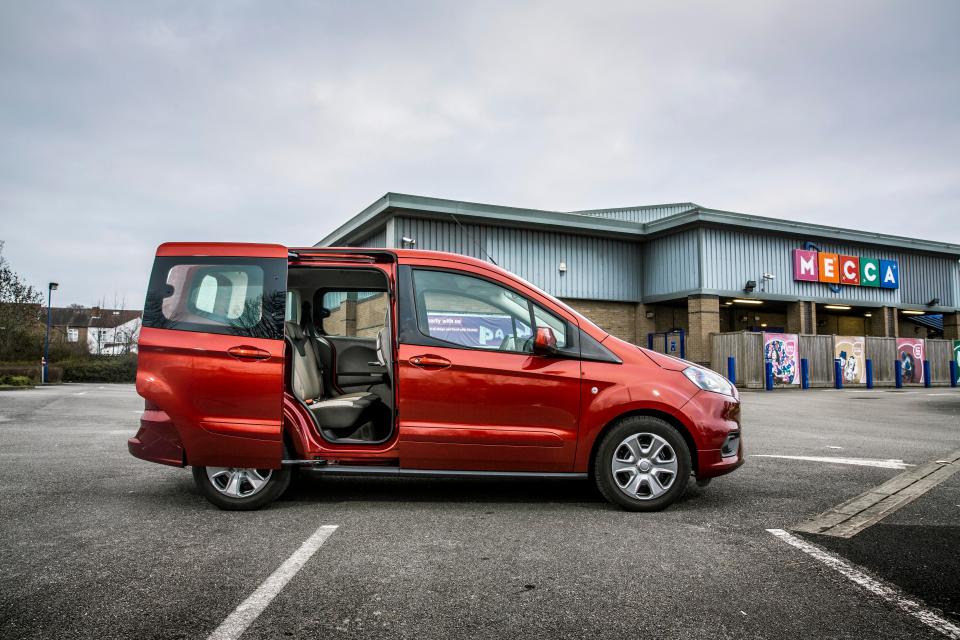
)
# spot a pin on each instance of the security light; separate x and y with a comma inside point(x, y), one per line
point(747, 301)
point(837, 307)
point(750, 286)
point(933, 302)
point(769, 276)
point(408, 240)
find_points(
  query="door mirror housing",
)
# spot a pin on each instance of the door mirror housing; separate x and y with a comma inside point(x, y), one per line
point(544, 342)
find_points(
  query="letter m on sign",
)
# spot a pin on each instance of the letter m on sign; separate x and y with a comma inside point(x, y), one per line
point(805, 265)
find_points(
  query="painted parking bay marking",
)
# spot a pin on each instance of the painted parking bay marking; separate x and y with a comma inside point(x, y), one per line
point(248, 610)
point(877, 587)
point(862, 462)
point(853, 516)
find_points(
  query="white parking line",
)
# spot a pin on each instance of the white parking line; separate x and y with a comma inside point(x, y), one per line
point(878, 588)
point(861, 462)
point(248, 610)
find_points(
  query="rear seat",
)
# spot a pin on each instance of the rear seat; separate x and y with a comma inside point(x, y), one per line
point(340, 414)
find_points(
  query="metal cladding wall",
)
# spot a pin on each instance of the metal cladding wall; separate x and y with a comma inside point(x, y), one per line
point(733, 257)
point(597, 268)
point(671, 265)
point(376, 241)
point(696, 259)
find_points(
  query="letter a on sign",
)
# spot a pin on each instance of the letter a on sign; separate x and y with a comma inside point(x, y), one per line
point(805, 265)
point(889, 274)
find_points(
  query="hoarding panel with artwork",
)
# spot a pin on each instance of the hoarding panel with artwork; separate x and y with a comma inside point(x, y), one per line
point(781, 349)
point(956, 356)
point(911, 353)
point(851, 350)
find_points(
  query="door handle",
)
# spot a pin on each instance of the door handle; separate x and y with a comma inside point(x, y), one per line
point(248, 353)
point(428, 361)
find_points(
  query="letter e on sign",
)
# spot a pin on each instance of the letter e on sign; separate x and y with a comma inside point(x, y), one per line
point(829, 267)
point(869, 272)
point(889, 274)
point(805, 265)
point(849, 270)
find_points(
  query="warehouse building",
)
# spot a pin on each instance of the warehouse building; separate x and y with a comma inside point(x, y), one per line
point(647, 270)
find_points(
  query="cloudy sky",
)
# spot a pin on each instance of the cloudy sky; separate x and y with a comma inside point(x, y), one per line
point(123, 125)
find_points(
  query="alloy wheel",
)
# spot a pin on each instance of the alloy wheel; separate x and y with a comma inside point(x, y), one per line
point(644, 466)
point(238, 483)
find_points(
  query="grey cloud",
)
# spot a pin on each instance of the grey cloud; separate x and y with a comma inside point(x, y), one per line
point(125, 125)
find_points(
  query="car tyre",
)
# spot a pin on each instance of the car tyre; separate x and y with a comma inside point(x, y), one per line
point(214, 484)
point(643, 453)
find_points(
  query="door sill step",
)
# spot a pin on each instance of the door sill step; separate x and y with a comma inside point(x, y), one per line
point(318, 467)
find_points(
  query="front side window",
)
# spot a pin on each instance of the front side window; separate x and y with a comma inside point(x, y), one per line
point(473, 312)
point(238, 296)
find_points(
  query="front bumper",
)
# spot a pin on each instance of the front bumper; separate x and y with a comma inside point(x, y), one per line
point(719, 437)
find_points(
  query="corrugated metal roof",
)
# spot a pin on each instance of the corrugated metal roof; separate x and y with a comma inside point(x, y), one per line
point(642, 214)
point(636, 223)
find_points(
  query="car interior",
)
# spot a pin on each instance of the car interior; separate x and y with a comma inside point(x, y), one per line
point(338, 330)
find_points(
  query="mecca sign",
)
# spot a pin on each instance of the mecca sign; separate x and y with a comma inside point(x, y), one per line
point(836, 268)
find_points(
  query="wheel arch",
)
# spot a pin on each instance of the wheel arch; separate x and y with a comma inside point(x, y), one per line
point(670, 419)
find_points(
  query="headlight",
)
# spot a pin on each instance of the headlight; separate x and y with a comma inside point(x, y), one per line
point(708, 380)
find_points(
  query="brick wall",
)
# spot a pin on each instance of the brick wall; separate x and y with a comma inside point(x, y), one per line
point(704, 318)
point(371, 315)
point(618, 318)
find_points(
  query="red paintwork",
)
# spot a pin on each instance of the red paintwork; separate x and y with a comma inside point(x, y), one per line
point(226, 249)
point(459, 409)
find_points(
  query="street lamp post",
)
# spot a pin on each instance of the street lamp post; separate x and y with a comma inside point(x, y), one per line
point(46, 343)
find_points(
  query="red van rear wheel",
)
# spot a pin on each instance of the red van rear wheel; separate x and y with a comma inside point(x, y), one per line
point(642, 464)
point(239, 489)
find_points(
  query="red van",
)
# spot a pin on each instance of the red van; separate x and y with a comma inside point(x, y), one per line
point(256, 360)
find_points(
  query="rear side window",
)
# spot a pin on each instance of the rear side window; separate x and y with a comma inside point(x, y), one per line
point(234, 296)
point(354, 313)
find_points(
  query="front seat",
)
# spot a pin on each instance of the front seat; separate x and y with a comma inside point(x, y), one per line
point(340, 414)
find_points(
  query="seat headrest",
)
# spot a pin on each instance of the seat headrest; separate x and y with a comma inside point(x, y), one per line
point(293, 330)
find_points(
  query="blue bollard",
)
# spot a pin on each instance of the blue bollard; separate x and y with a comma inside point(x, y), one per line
point(927, 382)
point(650, 341)
point(769, 376)
point(954, 373)
point(732, 370)
point(804, 373)
point(898, 374)
point(837, 374)
point(869, 373)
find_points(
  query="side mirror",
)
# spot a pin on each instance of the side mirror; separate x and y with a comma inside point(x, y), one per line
point(544, 342)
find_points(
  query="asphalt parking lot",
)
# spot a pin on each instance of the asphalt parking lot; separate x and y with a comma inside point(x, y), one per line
point(97, 544)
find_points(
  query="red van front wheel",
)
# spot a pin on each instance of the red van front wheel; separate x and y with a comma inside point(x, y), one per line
point(642, 464)
point(240, 489)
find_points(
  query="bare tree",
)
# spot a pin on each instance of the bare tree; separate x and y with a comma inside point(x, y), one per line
point(21, 335)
